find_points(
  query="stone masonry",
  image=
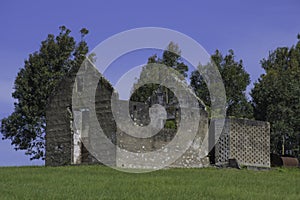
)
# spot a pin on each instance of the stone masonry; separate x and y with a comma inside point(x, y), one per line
point(69, 129)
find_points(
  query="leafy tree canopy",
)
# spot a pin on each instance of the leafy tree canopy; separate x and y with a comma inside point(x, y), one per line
point(276, 97)
point(170, 58)
point(42, 71)
point(235, 80)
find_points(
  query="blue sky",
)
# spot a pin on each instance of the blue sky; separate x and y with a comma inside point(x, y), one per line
point(250, 28)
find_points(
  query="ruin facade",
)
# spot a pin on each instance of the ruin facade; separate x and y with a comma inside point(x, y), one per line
point(69, 130)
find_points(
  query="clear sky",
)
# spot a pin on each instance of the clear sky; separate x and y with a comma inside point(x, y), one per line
point(251, 28)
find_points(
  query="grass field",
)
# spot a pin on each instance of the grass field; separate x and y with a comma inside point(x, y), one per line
point(98, 182)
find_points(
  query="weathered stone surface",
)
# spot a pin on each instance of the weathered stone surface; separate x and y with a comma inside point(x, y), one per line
point(190, 158)
point(72, 131)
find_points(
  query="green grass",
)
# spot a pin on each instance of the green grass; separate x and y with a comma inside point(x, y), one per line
point(98, 182)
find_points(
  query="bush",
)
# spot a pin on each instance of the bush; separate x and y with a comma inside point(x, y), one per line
point(170, 124)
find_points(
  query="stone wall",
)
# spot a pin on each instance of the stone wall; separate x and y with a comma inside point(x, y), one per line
point(59, 126)
point(191, 158)
point(68, 122)
point(72, 127)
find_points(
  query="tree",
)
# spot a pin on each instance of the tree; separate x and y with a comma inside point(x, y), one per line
point(235, 80)
point(157, 93)
point(276, 98)
point(42, 71)
point(171, 58)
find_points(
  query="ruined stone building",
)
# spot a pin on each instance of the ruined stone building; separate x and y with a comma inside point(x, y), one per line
point(70, 128)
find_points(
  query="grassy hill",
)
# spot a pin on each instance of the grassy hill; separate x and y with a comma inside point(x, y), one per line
point(99, 182)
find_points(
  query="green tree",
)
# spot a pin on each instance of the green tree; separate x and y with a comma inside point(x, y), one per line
point(276, 98)
point(235, 80)
point(143, 92)
point(42, 71)
point(170, 58)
